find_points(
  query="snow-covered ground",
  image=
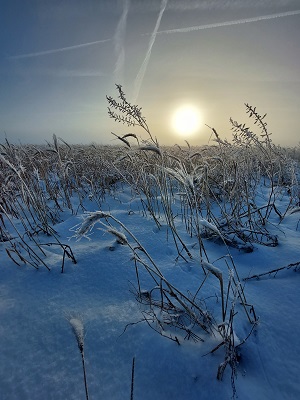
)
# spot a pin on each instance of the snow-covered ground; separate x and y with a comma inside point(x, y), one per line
point(39, 356)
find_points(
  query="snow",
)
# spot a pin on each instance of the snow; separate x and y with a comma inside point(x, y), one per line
point(39, 356)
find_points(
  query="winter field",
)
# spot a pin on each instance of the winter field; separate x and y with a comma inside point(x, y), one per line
point(143, 272)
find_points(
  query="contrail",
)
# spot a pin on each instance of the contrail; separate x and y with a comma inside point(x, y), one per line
point(118, 43)
point(140, 76)
point(43, 53)
point(229, 23)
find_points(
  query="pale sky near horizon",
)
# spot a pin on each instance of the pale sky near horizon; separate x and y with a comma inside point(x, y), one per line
point(60, 58)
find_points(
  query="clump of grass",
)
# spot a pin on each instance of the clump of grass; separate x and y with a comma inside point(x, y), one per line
point(228, 192)
point(217, 183)
point(167, 309)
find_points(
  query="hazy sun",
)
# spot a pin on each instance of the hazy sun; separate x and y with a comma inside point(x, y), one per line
point(186, 120)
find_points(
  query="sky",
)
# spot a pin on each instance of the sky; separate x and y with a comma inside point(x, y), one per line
point(60, 58)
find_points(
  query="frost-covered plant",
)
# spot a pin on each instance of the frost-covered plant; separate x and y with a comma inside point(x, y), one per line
point(38, 182)
point(78, 330)
point(217, 188)
point(216, 183)
point(123, 111)
point(170, 311)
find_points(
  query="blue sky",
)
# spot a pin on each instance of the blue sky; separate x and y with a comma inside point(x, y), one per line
point(59, 59)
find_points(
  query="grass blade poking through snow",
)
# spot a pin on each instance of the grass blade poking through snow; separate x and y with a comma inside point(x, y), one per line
point(78, 330)
point(132, 378)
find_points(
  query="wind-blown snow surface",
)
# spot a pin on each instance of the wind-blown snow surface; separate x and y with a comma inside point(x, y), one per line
point(39, 357)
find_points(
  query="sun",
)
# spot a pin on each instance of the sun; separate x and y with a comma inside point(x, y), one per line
point(186, 120)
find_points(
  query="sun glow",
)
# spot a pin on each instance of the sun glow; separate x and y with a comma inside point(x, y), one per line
point(186, 120)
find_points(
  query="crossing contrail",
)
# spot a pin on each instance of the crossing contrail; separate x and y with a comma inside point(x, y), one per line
point(118, 43)
point(43, 53)
point(140, 76)
point(229, 23)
